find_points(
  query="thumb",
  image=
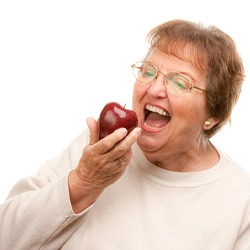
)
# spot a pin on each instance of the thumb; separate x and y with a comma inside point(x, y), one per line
point(93, 129)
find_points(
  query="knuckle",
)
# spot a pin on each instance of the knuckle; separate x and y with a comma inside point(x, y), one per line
point(89, 152)
point(107, 142)
point(123, 148)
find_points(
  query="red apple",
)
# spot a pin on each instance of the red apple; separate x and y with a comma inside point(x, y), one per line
point(114, 116)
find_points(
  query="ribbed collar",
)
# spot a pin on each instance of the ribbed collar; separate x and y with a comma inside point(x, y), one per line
point(181, 179)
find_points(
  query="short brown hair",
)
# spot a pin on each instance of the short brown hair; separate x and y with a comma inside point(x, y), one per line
point(214, 52)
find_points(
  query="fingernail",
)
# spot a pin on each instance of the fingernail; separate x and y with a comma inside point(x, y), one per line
point(123, 131)
point(138, 131)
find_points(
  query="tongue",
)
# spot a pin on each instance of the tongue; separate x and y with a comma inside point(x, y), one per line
point(156, 120)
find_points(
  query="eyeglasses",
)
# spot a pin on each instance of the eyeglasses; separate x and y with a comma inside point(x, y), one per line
point(176, 82)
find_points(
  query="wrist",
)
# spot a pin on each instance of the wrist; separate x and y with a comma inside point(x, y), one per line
point(82, 193)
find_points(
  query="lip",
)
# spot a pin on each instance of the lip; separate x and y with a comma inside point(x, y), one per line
point(157, 109)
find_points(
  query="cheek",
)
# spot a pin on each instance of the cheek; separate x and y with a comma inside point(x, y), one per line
point(139, 92)
point(137, 103)
point(192, 109)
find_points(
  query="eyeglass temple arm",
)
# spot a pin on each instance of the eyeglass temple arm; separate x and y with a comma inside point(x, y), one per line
point(195, 87)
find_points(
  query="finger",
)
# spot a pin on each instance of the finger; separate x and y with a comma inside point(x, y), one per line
point(93, 129)
point(134, 134)
point(125, 145)
point(123, 149)
point(107, 143)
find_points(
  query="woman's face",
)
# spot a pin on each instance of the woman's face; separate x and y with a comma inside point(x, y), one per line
point(182, 128)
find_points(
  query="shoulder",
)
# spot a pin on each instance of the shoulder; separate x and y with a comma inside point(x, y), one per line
point(237, 176)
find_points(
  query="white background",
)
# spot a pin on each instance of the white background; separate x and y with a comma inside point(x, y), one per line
point(61, 61)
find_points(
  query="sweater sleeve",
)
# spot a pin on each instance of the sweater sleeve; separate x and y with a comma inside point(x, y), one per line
point(243, 242)
point(37, 213)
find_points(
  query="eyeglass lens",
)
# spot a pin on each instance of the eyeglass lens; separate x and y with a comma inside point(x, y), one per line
point(145, 72)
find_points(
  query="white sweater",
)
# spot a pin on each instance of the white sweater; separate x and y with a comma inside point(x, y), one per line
point(148, 208)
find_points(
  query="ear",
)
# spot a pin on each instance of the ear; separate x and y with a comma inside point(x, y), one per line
point(209, 123)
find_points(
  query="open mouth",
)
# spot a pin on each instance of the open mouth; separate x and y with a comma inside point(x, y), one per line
point(155, 118)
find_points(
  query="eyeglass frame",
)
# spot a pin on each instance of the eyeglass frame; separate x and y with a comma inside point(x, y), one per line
point(192, 86)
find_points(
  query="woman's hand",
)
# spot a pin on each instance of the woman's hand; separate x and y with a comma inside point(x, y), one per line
point(102, 163)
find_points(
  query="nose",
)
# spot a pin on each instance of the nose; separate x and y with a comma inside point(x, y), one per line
point(157, 88)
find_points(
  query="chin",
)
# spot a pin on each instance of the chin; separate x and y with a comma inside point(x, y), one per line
point(147, 143)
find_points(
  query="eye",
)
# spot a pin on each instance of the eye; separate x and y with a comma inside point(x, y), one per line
point(178, 82)
point(144, 72)
point(148, 73)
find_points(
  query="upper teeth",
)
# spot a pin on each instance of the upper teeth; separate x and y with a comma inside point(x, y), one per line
point(157, 110)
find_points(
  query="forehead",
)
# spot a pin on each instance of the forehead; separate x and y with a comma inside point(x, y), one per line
point(183, 50)
point(169, 62)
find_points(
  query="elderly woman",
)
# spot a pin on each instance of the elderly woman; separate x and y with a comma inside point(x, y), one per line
point(163, 185)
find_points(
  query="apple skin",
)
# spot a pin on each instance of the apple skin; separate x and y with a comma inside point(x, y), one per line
point(114, 116)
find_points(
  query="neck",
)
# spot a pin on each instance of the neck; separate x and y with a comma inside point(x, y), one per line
point(193, 159)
